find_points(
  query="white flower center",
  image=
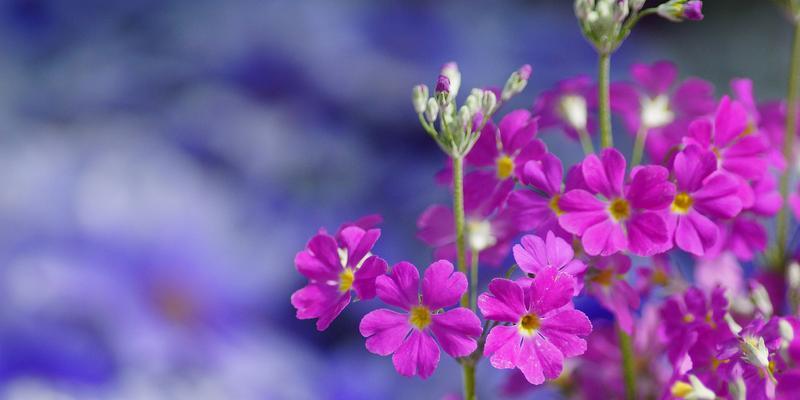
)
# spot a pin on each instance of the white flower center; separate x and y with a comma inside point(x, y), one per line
point(656, 112)
point(573, 111)
point(479, 235)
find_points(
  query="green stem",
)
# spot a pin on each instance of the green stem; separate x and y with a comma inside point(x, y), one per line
point(628, 371)
point(458, 214)
point(586, 141)
point(638, 146)
point(473, 281)
point(788, 146)
point(469, 380)
point(603, 75)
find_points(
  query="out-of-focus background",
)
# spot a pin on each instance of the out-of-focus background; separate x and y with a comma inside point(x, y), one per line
point(163, 161)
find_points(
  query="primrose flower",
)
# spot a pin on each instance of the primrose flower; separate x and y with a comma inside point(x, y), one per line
point(535, 208)
point(534, 254)
point(544, 327)
point(740, 149)
point(567, 106)
point(621, 218)
point(607, 283)
point(410, 335)
point(653, 103)
point(702, 195)
point(333, 272)
point(681, 10)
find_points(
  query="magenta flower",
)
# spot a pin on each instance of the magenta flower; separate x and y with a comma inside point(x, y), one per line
point(740, 149)
point(567, 106)
point(333, 272)
point(543, 327)
point(702, 195)
point(653, 102)
point(535, 254)
point(607, 283)
point(535, 208)
point(410, 335)
point(611, 218)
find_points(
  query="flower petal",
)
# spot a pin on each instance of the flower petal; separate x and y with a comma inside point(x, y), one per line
point(384, 330)
point(364, 278)
point(441, 287)
point(400, 287)
point(605, 174)
point(504, 302)
point(436, 227)
point(550, 290)
point(503, 346)
point(581, 211)
point(457, 331)
point(604, 239)
point(418, 355)
point(563, 328)
point(647, 234)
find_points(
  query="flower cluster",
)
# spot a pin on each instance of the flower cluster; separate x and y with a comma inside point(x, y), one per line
point(659, 245)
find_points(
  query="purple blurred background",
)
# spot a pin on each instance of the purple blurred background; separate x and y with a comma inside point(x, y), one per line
point(163, 161)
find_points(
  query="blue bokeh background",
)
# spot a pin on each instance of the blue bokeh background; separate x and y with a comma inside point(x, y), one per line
point(163, 161)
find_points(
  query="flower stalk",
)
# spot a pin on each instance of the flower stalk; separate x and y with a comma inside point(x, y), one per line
point(788, 145)
point(603, 78)
point(458, 215)
point(628, 371)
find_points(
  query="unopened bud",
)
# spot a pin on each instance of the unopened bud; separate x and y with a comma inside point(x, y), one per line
point(793, 275)
point(450, 70)
point(637, 5)
point(761, 299)
point(432, 110)
point(516, 82)
point(419, 97)
point(464, 116)
point(473, 102)
point(786, 331)
point(489, 102)
point(681, 10)
point(442, 89)
point(621, 11)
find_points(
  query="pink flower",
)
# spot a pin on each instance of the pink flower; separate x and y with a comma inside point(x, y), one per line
point(607, 283)
point(543, 329)
point(410, 335)
point(567, 106)
point(654, 102)
point(740, 149)
point(334, 272)
point(702, 195)
point(610, 219)
point(535, 208)
point(535, 254)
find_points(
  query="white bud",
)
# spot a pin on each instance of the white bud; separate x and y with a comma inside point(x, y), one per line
point(732, 324)
point(450, 70)
point(737, 389)
point(761, 299)
point(419, 97)
point(793, 275)
point(473, 103)
point(432, 110)
point(464, 116)
point(637, 5)
point(489, 102)
point(621, 11)
point(786, 330)
point(516, 82)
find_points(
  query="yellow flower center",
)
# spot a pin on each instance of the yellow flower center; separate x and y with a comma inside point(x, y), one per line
point(659, 277)
point(505, 166)
point(619, 209)
point(554, 205)
point(529, 323)
point(716, 362)
point(680, 389)
point(710, 320)
point(420, 317)
point(604, 277)
point(688, 318)
point(346, 278)
point(682, 203)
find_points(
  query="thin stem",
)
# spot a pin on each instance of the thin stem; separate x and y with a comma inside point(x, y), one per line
point(473, 280)
point(469, 380)
point(638, 146)
point(586, 141)
point(603, 72)
point(788, 145)
point(458, 214)
point(627, 363)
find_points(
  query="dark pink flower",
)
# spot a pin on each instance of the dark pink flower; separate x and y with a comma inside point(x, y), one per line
point(567, 106)
point(410, 335)
point(610, 217)
point(535, 254)
point(704, 195)
point(543, 327)
point(655, 103)
point(334, 272)
point(607, 283)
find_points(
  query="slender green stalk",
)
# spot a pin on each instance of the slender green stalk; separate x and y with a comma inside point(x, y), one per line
point(469, 380)
point(586, 141)
point(458, 214)
point(603, 76)
point(638, 146)
point(467, 365)
point(788, 145)
point(628, 371)
point(473, 281)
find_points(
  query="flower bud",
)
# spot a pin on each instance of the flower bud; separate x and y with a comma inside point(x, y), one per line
point(442, 92)
point(681, 10)
point(419, 97)
point(516, 82)
point(473, 102)
point(786, 331)
point(432, 110)
point(601, 22)
point(761, 299)
point(637, 5)
point(489, 102)
point(464, 116)
point(450, 70)
point(793, 275)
